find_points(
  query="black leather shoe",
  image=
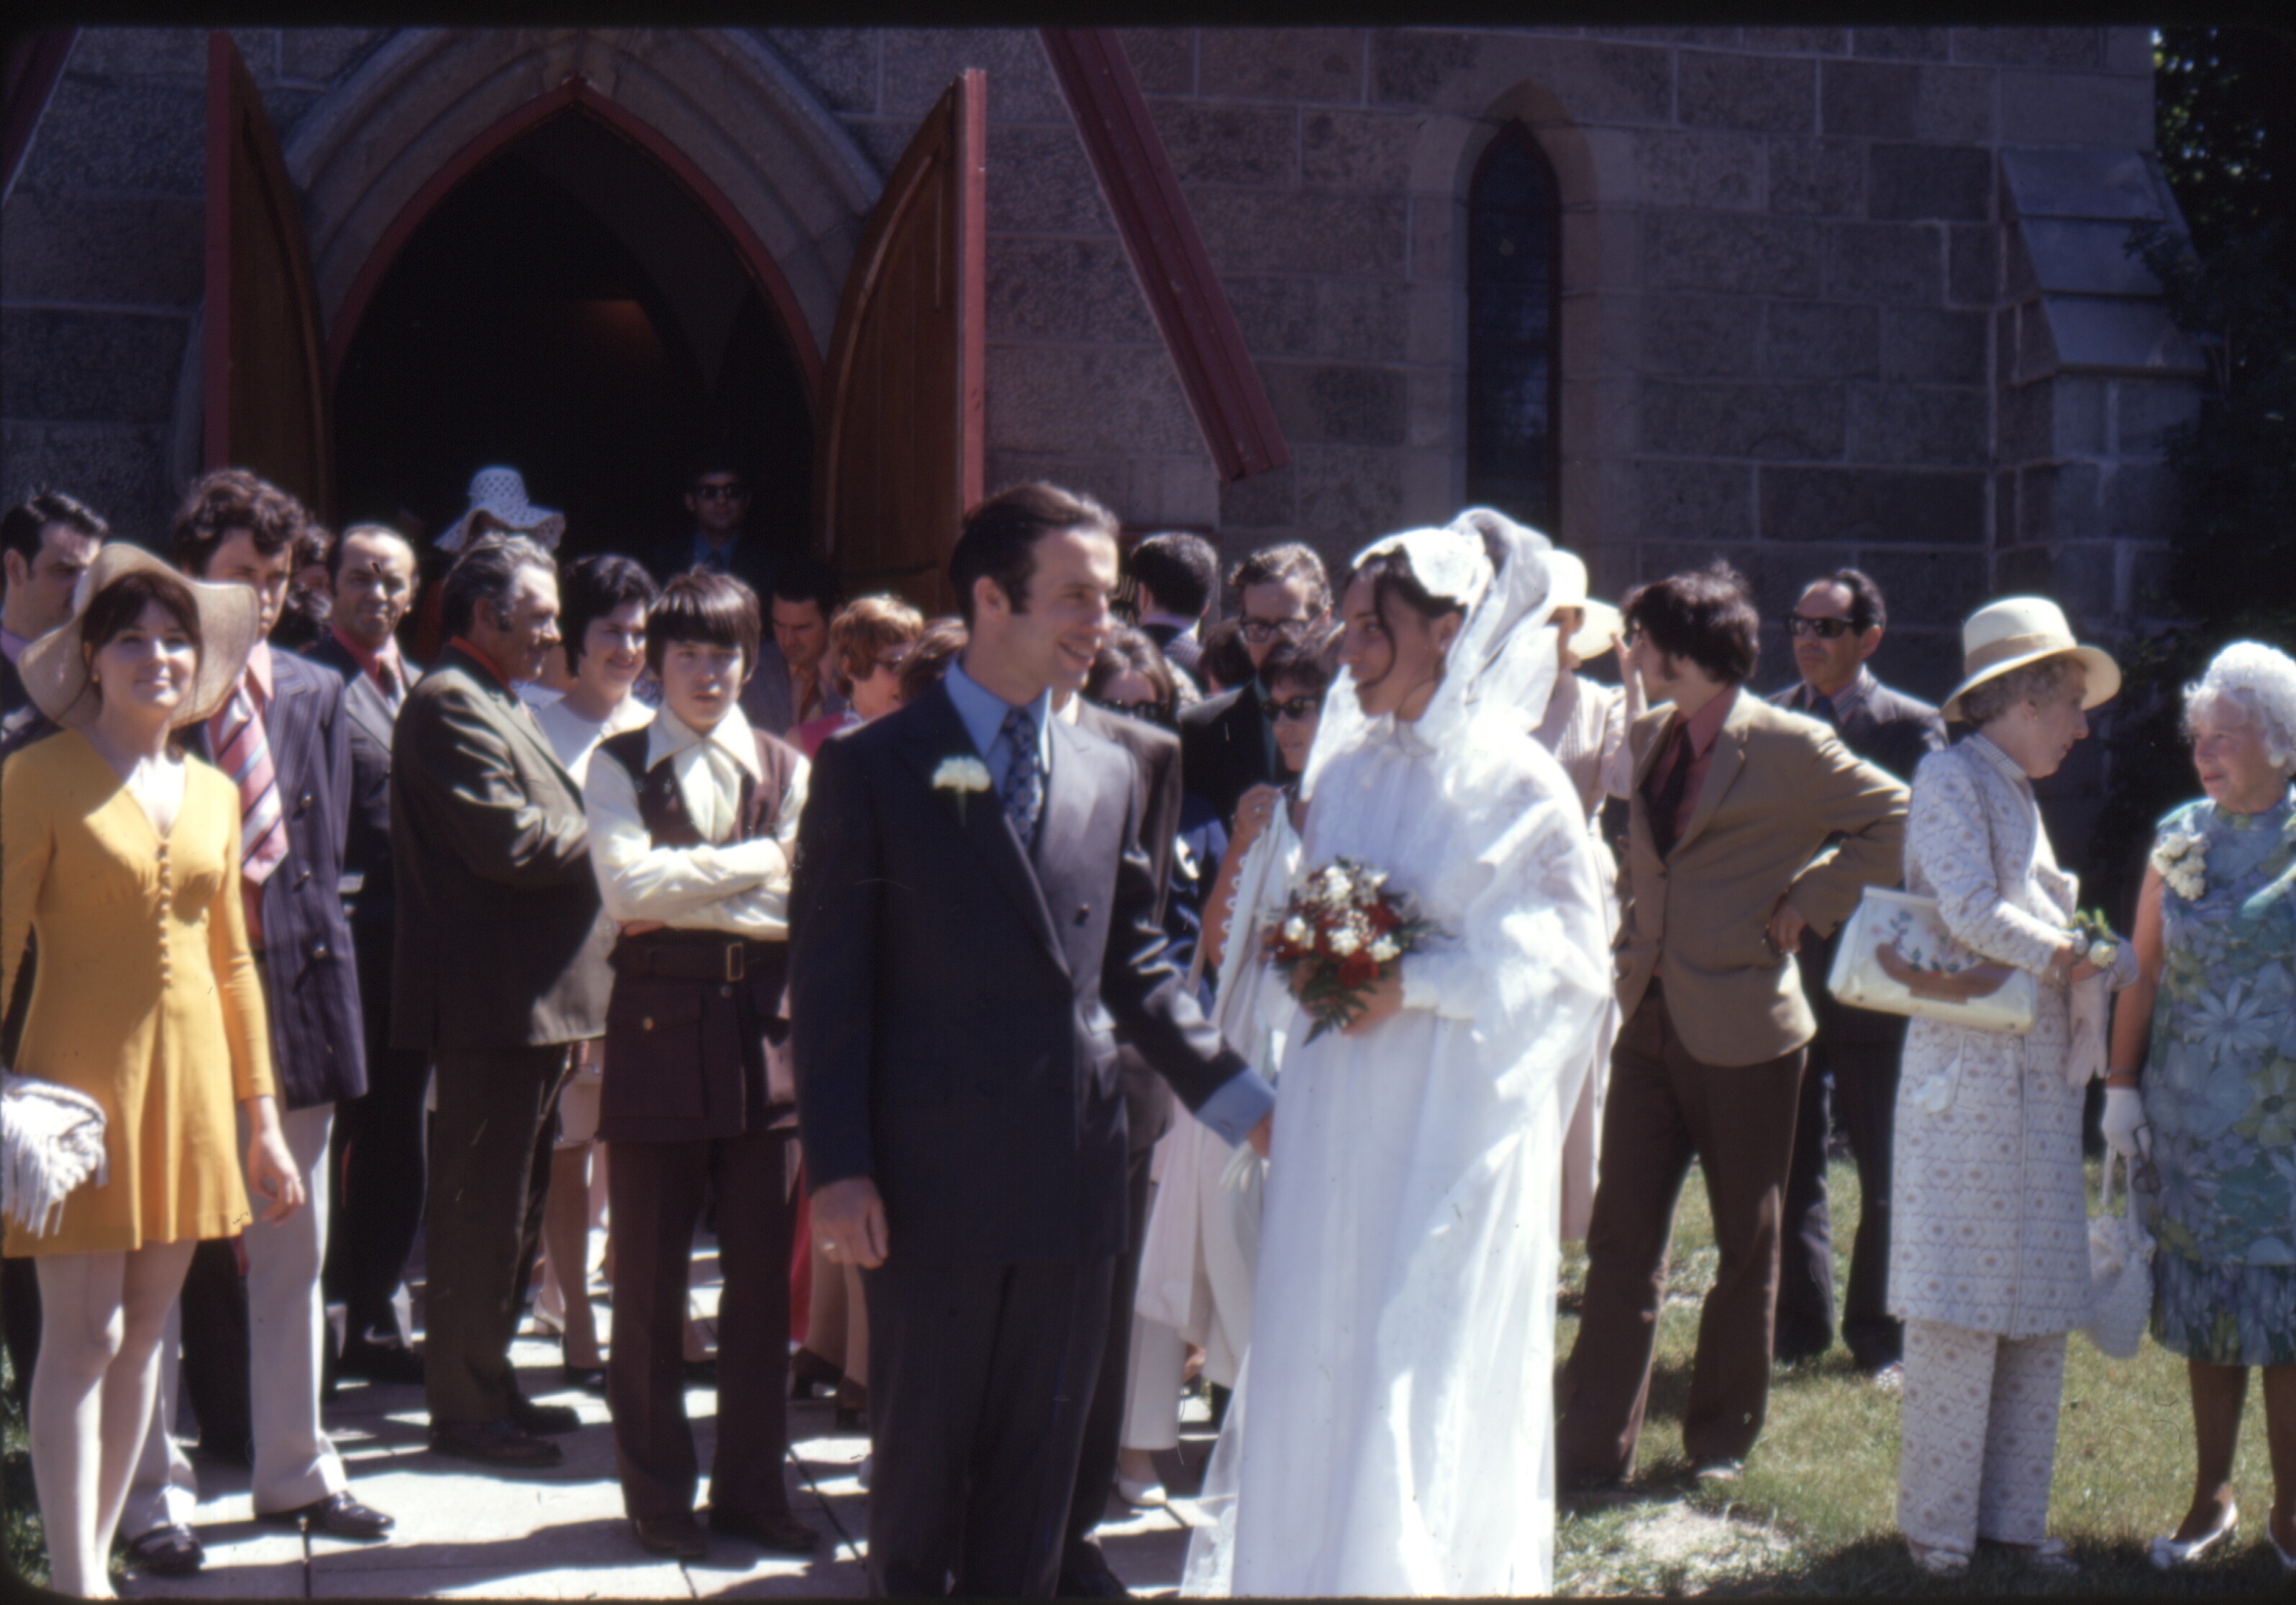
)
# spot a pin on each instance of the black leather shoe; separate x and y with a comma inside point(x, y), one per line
point(496, 1443)
point(776, 1530)
point(381, 1363)
point(1087, 1576)
point(339, 1514)
point(808, 1371)
point(548, 1420)
point(589, 1379)
point(166, 1551)
point(678, 1536)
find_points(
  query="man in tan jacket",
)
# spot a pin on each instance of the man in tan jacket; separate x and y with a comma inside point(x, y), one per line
point(1749, 825)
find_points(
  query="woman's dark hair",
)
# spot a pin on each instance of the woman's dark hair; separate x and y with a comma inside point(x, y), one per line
point(229, 499)
point(1130, 651)
point(1304, 665)
point(591, 587)
point(1000, 536)
point(1705, 615)
point(488, 568)
point(121, 603)
point(930, 655)
point(1224, 663)
point(868, 633)
point(1390, 576)
point(712, 609)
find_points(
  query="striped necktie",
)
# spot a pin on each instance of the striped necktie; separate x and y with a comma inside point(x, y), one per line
point(244, 752)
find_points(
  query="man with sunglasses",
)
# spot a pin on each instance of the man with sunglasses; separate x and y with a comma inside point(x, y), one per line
point(1228, 743)
point(718, 496)
point(1835, 628)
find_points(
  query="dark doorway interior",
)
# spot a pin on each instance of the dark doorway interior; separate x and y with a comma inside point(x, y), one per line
point(570, 311)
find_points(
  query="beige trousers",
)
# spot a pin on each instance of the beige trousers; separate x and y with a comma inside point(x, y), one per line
point(102, 1317)
point(1981, 1435)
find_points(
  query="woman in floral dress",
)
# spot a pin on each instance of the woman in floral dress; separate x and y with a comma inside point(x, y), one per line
point(2216, 1003)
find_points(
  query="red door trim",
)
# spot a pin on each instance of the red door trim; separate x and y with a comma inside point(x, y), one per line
point(572, 95)
point(1167, 254)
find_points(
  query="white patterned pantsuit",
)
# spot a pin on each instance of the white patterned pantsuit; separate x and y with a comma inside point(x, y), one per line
point(1980, 1435)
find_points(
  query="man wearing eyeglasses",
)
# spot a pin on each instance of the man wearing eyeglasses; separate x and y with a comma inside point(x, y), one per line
point(1228, 743)
point(1835, 628)
point(718, 496)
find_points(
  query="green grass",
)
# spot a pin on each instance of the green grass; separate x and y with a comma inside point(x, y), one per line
point(24, 1548)
point(1814, 1512)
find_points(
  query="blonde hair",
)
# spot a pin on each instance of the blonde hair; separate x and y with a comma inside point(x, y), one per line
point(868, 633)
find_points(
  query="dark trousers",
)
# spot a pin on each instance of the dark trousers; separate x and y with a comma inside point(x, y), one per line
point(489, 1173)
point(377, 1155)
point(656, 1192)
point(215, 1349)
point(1103, 1422)
point(20, 1314)
point(1864, 1100)
point(1665, 1107)
point(980, 1374)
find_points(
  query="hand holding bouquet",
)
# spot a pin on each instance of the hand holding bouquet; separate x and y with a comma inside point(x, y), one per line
point(2094, 938)
point(1342, 934)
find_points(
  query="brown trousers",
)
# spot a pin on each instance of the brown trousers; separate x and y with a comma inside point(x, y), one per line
point(1665, 1107)
point(655, 1192)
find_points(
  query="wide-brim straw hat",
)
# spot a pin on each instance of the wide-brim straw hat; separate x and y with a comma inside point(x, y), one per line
point(54, 670)
point(1599, 623)
point(2017, 630)
point(500, 493)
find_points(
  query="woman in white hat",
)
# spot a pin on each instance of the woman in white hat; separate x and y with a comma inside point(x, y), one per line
point(499, 505)
point(124, 858)
point(1988, 1260)
point(1585, 727)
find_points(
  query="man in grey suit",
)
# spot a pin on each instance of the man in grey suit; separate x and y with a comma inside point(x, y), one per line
point(1835, 627)
point(378, 1146)
point(500, 967)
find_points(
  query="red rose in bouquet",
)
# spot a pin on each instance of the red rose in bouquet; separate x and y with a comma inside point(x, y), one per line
point(1343, 931)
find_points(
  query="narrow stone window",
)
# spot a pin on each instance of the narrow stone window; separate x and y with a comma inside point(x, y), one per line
point(1513, 234)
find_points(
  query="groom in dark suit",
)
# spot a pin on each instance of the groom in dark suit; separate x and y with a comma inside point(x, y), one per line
point(974, 920)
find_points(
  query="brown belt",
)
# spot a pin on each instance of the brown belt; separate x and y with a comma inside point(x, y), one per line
point(685, 960)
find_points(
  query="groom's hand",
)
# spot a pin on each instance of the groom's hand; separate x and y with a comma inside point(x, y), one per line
point(1262, 1135)
point(849, 1223)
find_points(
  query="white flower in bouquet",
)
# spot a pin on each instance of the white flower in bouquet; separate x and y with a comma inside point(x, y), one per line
point(1386, 951)
point(1345, 941)
point(1295, 930)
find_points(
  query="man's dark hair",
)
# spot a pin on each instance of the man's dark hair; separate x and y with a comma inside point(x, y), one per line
point(365, 532)
point(488, 568)
point(801, 576)
point(314, 543)
point(1706, 615)
point(1290, 561)
point(1130, 651)
point(22, 525)
point(715, 463)
point(303, 619)
point(229, 499)
point(931, 654)
point(1866, 611)
point(1181, 568)
point(711, 610)
point(999, 538)
point(1226, 661)
point(1390, 576)
point(591, 587)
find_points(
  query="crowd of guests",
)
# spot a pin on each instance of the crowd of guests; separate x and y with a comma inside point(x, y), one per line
point(476, 914)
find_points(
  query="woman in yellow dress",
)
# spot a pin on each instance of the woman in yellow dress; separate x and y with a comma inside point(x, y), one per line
point(124, 859)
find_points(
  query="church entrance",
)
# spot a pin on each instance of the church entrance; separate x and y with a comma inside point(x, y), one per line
point(569, 310)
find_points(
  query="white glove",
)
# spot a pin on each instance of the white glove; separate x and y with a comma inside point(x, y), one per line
point(2125, 1130)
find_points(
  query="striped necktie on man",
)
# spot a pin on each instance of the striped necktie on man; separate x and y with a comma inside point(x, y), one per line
point(242, 751)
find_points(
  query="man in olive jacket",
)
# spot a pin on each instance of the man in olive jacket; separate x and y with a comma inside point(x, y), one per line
point(500, 967)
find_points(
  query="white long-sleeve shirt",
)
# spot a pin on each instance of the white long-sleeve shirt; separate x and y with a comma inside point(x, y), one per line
point(740, 887)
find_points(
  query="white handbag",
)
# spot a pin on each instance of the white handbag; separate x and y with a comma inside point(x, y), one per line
point(1895, 956)
point(2120, 1268)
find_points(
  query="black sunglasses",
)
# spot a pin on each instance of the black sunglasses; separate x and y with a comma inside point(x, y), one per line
point(1799, 625)
point(720, 493)
point(1291, 631)
point(1152, 711)
point(1290, 708)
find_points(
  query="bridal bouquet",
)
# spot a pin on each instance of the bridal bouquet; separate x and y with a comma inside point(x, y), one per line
point(1344, 930)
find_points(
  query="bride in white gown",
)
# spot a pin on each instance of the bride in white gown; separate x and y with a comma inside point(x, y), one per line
point(1392, 1433)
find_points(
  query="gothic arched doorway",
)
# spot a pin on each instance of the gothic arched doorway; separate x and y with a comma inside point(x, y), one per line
point(568, 308)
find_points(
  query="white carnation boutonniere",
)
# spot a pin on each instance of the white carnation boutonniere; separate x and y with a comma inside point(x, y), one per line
point(2181, 860)
point(964, 776)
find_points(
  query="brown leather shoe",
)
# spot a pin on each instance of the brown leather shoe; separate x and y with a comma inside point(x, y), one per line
point(776, 1530)
point(678, 1536)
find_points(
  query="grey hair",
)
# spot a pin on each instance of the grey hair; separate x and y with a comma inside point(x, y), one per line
point(487, 569)
point(2259, 681)
point(2042, 681)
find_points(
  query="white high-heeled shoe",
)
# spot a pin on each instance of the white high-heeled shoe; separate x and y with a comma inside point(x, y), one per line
point(2169, 1552)
point(1938, 1561)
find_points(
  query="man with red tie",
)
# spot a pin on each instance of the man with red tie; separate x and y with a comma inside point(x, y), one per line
point(283, 738)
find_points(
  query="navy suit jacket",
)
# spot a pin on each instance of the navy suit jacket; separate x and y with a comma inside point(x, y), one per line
point(310, 975)
point(1224, 750)
point(370, 895)
point(955, 1002)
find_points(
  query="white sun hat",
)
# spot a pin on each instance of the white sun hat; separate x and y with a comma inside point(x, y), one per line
point(500, 494)
point(2017, 630)
point(1599, 622)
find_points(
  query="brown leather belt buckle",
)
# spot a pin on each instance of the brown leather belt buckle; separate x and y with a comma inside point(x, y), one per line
point(737, 962)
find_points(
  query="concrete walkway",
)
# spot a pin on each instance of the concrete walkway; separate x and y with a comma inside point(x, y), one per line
point(561, 1534)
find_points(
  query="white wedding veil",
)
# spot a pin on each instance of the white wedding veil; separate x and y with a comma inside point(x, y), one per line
point(1503, 657)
